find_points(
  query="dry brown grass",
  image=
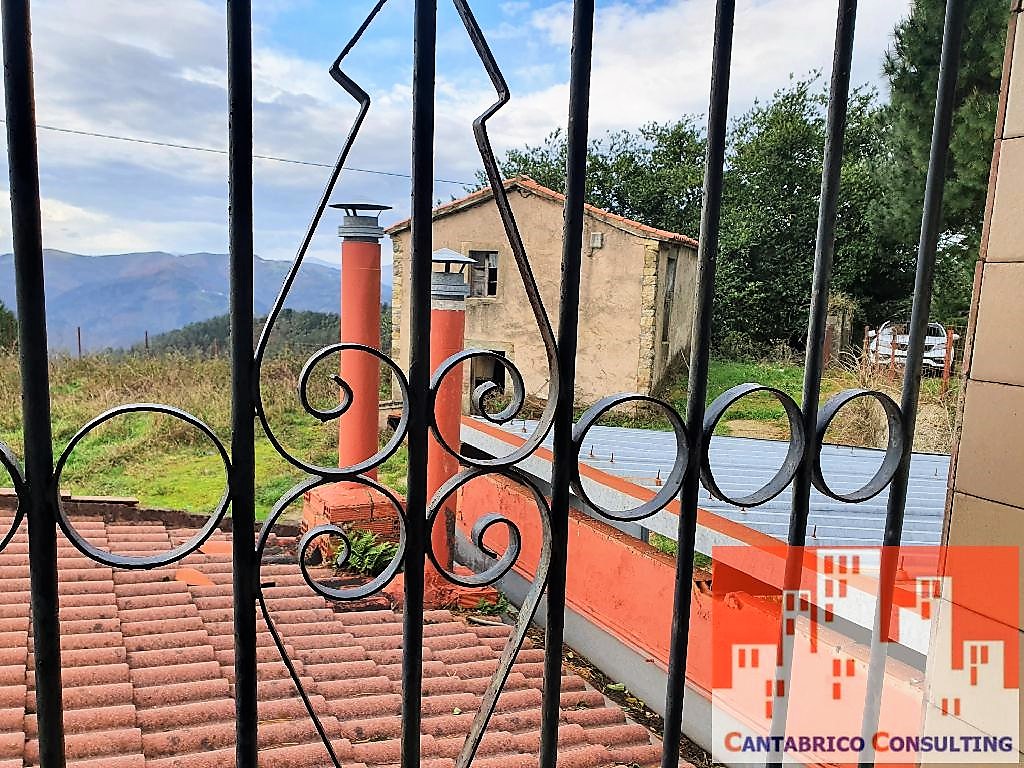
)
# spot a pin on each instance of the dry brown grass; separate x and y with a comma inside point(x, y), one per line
point(863, 421)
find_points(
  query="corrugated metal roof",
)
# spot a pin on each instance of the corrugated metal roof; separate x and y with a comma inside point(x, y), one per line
point(742, 465)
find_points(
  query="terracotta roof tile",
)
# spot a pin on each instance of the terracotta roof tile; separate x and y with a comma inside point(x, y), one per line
point(148, 670)
point(529, 186)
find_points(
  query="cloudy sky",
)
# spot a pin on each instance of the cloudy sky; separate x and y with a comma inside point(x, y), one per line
point(155, 70)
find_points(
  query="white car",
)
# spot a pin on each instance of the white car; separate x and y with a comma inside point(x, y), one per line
point(893, 338)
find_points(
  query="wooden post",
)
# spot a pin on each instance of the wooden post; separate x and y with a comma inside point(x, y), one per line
point(866, 354)
point(892, 354)
point(947, 365)
point(79, 330)
point(147, 340)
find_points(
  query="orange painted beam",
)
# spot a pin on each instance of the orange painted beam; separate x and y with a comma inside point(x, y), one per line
point(710, 520)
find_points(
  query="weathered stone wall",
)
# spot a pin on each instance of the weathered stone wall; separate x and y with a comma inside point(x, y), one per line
point(621, 298)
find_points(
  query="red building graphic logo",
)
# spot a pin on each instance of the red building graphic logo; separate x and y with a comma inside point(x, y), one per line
point(815, 667)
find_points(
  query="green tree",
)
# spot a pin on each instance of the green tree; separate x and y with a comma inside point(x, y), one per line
point(773, 178)
point(770, 213)
point(652, 175)
point(8, 327)
point(911, 66)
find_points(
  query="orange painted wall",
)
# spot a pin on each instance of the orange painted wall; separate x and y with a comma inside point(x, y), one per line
point(618, 583)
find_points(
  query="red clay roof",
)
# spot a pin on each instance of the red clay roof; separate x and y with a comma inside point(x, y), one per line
point(148, 672)
point(531, 187)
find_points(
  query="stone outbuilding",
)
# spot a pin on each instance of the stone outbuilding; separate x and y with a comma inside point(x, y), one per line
point(636, 302)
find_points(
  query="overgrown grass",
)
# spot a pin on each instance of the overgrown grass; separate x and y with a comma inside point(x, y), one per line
point(861, 423)
point(162, 461)
point(669, 547)
point(167, 463)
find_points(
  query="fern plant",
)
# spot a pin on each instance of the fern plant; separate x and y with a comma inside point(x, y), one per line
point(369, 555)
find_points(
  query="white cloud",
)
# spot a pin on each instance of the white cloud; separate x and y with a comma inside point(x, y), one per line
point(656, 64)
point(157, 70)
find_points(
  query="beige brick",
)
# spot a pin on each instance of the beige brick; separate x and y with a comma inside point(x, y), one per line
point(989, 456)
point(1005, 242)
point(1014, 123)
point(998, 346)
point(978, 522)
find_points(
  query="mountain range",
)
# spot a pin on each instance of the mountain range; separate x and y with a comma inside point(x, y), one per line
point(116, 299)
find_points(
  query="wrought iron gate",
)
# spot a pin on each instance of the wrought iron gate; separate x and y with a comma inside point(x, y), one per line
point(37, 484)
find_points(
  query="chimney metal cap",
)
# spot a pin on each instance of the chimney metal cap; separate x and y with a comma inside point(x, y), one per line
point(448, 257)
point(354, 208)
point(449, 286)
point(362, 221)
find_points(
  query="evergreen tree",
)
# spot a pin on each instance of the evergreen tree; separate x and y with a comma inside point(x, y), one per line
point(912, 68)
point(770, 215)
point(8, 328)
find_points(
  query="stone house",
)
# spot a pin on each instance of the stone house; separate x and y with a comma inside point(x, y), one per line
point(636, 302)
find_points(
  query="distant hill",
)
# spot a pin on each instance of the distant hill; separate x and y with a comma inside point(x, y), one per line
point(117, 298)
point(294, 330)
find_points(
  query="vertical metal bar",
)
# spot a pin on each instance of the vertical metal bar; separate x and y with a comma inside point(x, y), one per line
point(423, 86)
point(942, 128)
point(26, 227)
point(568, 325)
point(243, 506)
point(700, 350)
point(824, 255)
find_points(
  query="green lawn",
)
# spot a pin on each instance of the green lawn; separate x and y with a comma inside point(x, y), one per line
point(160, 461)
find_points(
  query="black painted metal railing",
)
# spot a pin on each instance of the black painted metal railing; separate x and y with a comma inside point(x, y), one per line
point(36, 484)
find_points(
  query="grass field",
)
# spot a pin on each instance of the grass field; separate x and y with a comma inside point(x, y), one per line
point(159, 460)
point(167, 464)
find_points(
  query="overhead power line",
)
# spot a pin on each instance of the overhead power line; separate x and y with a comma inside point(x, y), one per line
point(216, 151)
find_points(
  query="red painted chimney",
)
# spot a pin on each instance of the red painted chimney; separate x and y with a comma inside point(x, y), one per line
point(360, 234)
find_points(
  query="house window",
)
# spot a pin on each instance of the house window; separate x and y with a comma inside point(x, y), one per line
point(485, 273)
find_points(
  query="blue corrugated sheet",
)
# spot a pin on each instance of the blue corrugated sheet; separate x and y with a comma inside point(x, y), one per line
point(742, 465)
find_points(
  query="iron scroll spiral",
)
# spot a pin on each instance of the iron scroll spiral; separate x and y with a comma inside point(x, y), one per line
point(691, 450)
point(502, 465)
point(502, 564)
point(530, 287)
point(10, 463)
point(175, 554)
